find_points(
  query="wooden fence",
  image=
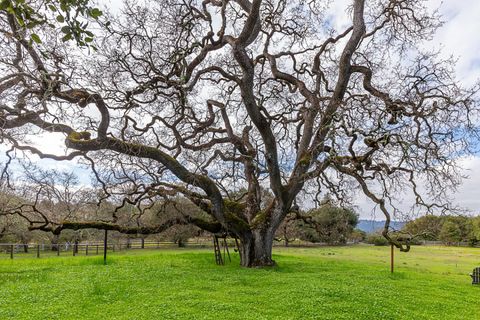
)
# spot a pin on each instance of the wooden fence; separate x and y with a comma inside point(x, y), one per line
point(10, 250)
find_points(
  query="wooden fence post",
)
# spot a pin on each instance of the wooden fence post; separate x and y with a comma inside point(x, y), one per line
point(11, 251)
point(391, 258)
point(38, 250)
point(105, 247)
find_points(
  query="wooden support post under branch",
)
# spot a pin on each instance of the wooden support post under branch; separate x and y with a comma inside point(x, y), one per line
point(217, 250)
point(218, 253)
point(225, 246)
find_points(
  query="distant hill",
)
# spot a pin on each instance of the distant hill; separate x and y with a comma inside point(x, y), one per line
point(371, 225)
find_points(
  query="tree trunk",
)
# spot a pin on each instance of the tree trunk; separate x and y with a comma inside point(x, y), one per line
point(285, 236)
point(54, 242)
point(256, 249)
point(180, 243)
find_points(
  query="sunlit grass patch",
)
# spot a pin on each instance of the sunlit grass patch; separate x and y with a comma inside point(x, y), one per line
point(314, 283)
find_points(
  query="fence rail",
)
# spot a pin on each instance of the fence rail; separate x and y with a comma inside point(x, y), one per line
point(11, 250)
point(92, 248)
point(97, 248)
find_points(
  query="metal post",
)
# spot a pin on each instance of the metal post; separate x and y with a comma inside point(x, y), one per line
point(105, 248)
point(391, 258)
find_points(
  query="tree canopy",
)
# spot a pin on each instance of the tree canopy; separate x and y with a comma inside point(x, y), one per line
point(218, 100)
point(328, 223)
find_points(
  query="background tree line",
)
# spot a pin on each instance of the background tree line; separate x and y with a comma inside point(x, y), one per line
point(450, 229)
point(61, 197)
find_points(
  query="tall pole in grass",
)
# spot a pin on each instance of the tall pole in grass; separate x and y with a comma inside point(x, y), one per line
point(105, 248)
point(391, 258)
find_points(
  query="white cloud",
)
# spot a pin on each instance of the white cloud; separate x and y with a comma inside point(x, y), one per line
point(52, 143)
point(113, 5)
point(468, 195)
point(459, 36)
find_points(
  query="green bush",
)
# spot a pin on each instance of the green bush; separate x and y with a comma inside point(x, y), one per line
point(377, 240)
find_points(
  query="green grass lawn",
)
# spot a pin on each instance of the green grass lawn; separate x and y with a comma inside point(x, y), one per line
point(315, 283)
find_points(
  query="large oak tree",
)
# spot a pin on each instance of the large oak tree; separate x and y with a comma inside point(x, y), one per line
point(219, 100)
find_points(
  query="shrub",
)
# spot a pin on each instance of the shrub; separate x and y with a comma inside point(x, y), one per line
point(377, 240)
